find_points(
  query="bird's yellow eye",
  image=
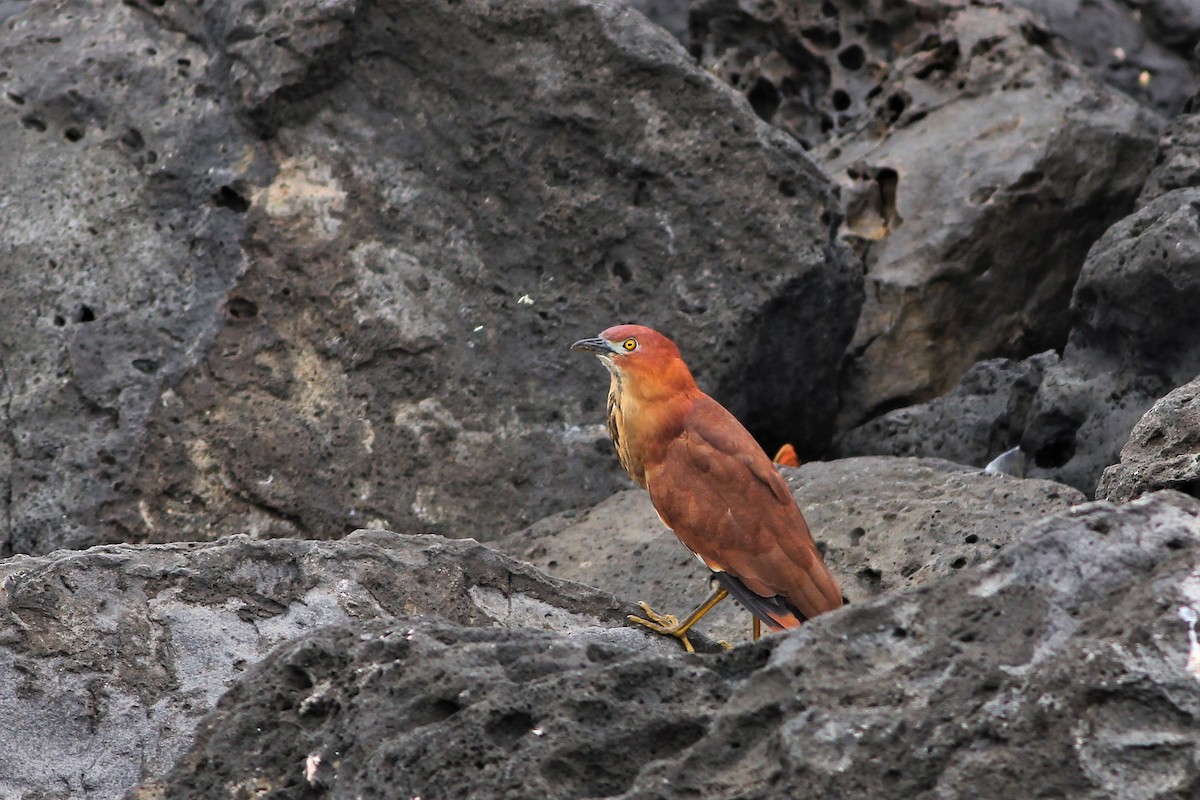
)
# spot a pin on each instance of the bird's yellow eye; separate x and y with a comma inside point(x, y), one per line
point(629, 344)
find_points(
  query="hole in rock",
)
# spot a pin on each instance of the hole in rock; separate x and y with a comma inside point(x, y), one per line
point(764, 98)
point(852, 57)
point(228, 197)
point(241, 308)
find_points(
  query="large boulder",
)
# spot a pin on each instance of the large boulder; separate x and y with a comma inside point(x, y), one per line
point(978, 163)
point(304, 268)
point(882, 524)
point(1135, 336)
point(1067, 666)
point(110, 656)
point(1163, 451)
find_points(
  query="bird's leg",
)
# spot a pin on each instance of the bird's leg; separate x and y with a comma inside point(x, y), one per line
point(757, 629)
point(668, 625)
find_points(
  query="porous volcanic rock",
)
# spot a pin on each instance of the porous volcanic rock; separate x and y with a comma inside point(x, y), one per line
point(1163, 451)
point(978, 163)
point(882, 523)
point(1063, 667)
point(981, 418)
point(1135, 336)
point(118, 251)
point(110, 656)
point(305, 268)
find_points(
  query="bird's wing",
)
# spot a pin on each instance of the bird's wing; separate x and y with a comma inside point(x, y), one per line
point(720, 494)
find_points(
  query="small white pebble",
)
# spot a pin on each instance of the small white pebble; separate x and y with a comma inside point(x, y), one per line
point(538, 732)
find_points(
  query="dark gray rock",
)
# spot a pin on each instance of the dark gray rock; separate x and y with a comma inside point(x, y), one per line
point(110, 656)
point(302, 269)
point(1135, 336)
point(882, 523)
point(983, 417)
point(1177, 165)
point(670, 14)
point(1061, 668)
point(978, 162)
point(119, 250)
point(1163, 451)
point(1176, 23)
point(1142, 48)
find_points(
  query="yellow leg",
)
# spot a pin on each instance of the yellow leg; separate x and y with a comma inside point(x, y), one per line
point(667, 624)
point(757, 629)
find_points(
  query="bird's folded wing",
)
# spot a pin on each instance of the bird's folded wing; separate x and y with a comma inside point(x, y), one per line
point(723, 498)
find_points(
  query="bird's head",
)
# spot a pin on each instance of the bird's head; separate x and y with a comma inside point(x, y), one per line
point(641, 358)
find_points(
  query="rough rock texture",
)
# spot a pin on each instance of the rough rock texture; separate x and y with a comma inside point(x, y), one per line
point(978, 164)
point(1177, 165)
point(1163, 451)
point(981, 418)
point(118, 250)
point(882, 523)
point(110, 656)
point(300, 269)
point(1061, 668)
point(1135, 336)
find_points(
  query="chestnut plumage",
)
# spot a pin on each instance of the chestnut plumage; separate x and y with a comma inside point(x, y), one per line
point(711, 484)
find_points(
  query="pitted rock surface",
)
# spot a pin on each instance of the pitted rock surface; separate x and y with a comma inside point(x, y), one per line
point(111, 655)
point(1163, 451)
point(882, 524)
point(1059, 667)
point(974, 156)
point(312, 267)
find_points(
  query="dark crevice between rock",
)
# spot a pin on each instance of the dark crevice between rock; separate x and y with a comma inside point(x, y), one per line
point(772, 383)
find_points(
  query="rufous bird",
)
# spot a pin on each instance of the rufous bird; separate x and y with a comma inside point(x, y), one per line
point(711, 484)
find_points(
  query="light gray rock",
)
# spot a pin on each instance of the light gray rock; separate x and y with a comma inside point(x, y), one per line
point(1163, 451)
point(883, 524)
point(1067, 666)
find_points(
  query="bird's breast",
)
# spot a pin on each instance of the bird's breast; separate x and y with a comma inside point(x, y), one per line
point(619, 432)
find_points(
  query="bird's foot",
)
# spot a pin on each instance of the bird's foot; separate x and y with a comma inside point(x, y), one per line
point(666, 624)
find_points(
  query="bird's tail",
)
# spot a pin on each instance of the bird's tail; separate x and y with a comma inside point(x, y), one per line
point(776, 612)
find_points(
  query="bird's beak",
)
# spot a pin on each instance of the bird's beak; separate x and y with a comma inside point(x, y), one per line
point(598, 346)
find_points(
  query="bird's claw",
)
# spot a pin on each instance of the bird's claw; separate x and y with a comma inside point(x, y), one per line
point(666, 624)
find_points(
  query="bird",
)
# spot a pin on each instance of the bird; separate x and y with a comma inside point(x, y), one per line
point(712, 485)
